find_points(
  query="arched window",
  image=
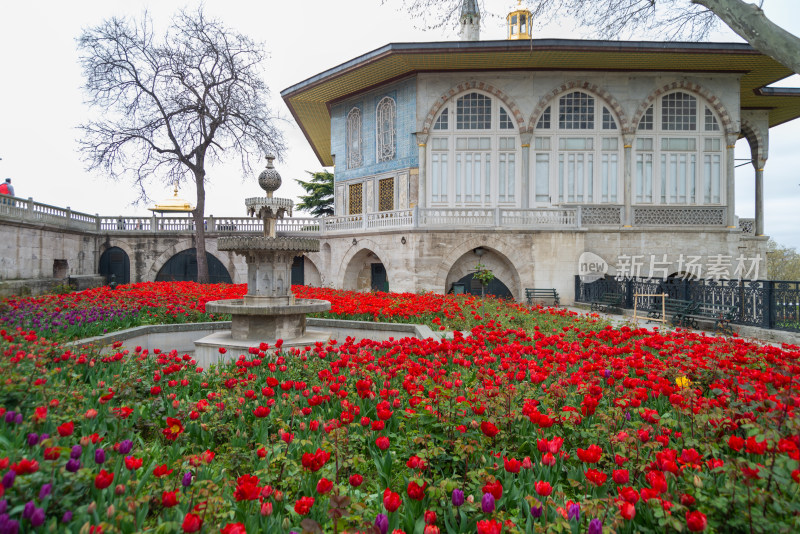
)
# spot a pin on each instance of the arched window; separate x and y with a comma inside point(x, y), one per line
point(385, 129)
point(678, 157)
point(576, 153)
point(473, 154)
point(354, 157)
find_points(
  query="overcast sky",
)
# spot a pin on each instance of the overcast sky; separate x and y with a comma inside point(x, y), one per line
point(42, 96)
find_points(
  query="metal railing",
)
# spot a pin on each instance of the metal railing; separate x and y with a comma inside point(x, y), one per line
point(769, 304)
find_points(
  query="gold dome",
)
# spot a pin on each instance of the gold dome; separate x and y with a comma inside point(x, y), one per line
point(519, 23)
point(173, 205)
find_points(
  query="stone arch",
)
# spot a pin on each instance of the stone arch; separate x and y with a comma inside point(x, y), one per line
point(711, 99)
point(473, 85)
point(186, 243)
point(756, 140)
point(119, 243)
point(506, 270)
point(313, 276)
point(361, 250)
point(115, 264)
point(581, 85)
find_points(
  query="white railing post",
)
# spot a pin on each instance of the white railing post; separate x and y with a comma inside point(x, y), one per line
point(153, 222)
point(211, 224)
point(578, 217)
point(415, 216)
point(497, 217)
point(97, 221)
point(30, 208)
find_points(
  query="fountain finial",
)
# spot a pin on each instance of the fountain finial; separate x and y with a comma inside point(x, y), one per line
point(269, 179)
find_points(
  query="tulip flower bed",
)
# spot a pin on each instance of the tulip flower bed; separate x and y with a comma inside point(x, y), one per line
point(559, 425)
point(102, 310)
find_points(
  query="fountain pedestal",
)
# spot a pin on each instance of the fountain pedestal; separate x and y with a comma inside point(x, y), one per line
point(269, 311)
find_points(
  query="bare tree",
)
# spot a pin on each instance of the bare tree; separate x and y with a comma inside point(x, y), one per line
point(675, 19)
point(170, 105)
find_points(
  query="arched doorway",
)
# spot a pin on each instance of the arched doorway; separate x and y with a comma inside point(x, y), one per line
point(461, 275)
point(298, 271)
point(115, 262)
point(366, 272)
point(469, 284)
point(183, 267)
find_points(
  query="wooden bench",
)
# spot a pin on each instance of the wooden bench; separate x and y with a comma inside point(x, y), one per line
point(674, 308)
point(537, 293)
point(608, 303)
point(721, 314)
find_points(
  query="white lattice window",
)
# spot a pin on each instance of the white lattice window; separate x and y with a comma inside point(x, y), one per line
point(505, 120)
point(576, 111)
point(678, 160)
point(646, 122)
point(442, 122)
point(679, 112)
point(580, 160)
point(474, 154)
point(385, 129)
point(544, 120)
point(474, 112)
point(354, 156)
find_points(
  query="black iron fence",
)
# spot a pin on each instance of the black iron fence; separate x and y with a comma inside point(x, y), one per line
point(763, 303)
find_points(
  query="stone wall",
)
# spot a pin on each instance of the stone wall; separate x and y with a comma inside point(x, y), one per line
point(38, 251)
point(434, 260)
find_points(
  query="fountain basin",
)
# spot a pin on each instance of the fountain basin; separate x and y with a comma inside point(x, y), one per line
point(267, 322)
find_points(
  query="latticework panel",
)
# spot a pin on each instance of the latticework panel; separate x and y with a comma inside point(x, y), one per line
point(386, 194)
point(679, 216)
point(356, 199)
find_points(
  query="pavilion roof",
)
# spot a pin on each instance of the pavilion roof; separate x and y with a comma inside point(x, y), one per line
point(310, 100)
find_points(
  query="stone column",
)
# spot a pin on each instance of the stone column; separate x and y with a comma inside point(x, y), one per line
point(422, 198)
point(627, 179)
point(759, 165)
point(730, 173)
point(525, 143)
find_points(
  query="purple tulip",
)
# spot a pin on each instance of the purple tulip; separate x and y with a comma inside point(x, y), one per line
point(458, 497)
point(73, 465)
point(27, 511)
point(3, 506)
point(487, 503)
point(18, 419)
point(76, 452)
point(10, 417)
point(536, 511)
point(607, 373)
point(8, 526)
point(45, 491)
point(382, 522)
point(574, 511)
point(67, 517)
point(187, 479)
point(33, 439)
point(43, 437)
point(125, 446)
point(38, 517)
point(8, 479)
point(595, 526)
point(99, 456)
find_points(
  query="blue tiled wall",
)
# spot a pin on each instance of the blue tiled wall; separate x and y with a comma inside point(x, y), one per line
point(405, 96)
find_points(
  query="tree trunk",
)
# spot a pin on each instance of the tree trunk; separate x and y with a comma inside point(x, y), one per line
point(750, 23)
point(200, 228)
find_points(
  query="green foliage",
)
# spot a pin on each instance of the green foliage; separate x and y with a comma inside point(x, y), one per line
point(319, 200)
point(483, 275)
point(783, 263)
